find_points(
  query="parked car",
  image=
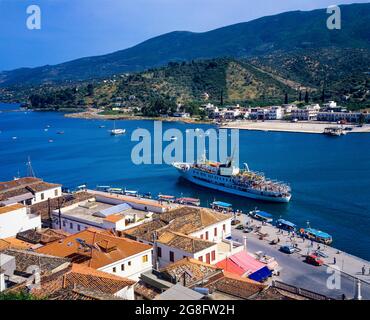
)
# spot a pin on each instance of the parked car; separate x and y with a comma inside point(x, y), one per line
point(314, 260)
point(240, 227)
point(289, 249)
point(234, 222)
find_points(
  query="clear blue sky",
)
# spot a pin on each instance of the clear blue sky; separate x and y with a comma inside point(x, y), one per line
point(77, 28)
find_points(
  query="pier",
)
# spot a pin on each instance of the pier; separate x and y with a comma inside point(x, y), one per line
point(298, 273)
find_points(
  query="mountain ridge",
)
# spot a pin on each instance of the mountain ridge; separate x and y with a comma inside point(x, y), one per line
point(285, 32)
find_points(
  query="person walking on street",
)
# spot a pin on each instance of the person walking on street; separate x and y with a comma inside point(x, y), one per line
point(335, 260)
point(363, 270)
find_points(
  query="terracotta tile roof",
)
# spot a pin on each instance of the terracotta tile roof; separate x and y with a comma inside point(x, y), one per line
point(79, 282)
point(183, 242)
point(43, 236)
point(14, 243)
point(192, 269)
point(107, 248)
point(194, 218)
point(10, 189)
point(145, 291)
point(17, 183)
point(276, 294)
point(114, 218)
point(236, 286)
point(10, 208)
point(42, 186)
point(42, 208)
point(185, 220)
point(145, 231)
point(46, 263)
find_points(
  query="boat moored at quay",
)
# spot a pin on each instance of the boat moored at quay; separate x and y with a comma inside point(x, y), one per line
point(227, 178)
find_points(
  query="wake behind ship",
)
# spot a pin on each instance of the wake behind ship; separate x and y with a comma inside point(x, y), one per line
point(230, 179)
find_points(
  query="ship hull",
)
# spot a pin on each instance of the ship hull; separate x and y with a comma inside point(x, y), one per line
point(188, 176)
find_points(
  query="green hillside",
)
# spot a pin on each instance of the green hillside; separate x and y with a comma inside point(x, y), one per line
point(285, 33)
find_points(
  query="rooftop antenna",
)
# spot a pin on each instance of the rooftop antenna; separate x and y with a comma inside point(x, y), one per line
point(30, 172)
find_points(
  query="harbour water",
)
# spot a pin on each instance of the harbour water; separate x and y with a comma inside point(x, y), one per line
point(330, 177)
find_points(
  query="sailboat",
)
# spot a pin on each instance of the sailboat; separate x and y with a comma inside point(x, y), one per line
point(115, 132)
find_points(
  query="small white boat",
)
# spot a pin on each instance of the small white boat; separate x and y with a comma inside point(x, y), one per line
point(173, 138)
point(14, 138)
point(115, 132)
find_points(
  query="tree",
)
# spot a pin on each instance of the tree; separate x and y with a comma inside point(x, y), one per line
point(17, 296)
point(361, 119)
point(90, 90)
point(286, 98)
point(306, 99)
point(222, 98)
point(300, 96)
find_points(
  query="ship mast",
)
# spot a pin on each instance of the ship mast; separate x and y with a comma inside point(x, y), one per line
point(30, 172)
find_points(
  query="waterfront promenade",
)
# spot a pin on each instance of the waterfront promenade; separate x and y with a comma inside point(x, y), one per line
point(286, 126)
point(296, 272)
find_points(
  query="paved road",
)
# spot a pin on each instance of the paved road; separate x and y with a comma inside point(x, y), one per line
point(298, 273)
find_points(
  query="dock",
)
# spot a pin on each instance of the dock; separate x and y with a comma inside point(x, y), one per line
point(295, 271)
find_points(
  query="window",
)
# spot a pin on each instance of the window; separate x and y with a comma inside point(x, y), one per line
point(213, 255)
point(129, 263)
point(56, 192)
point(145, 258)
point(200, 259)
point(208, 258)
point(64, 223)
point(71, 225)
point(78, 227)
point(201, 236)
point(215, 232)
point(159, 252)
point(172, 256)
point(224, 227)
point(206, 235)
point(114, 269)
point(122, 267)
point(42, 196)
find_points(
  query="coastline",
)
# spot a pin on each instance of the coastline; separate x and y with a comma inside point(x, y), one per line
point(94, 114)
point(311, 127)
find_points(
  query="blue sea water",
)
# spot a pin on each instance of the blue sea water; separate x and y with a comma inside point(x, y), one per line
point(330, 177)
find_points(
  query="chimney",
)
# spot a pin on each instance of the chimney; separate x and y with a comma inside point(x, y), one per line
point(245, 242)
point(2, 282)
point(231, 246)
point(358, 290)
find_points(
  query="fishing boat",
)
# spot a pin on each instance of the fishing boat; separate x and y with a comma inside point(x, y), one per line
point(116, 132)
point(221, 206)
point(189, 201)
point(103, 188)
point(163, 197)
point(132, 193)
point(334, 131)
point(316, 235)
point(285, 225)
point(261, 215)
point(60, 132)
point(116, 190)
point(147, 195)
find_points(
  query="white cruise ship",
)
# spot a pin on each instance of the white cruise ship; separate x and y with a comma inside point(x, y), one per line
point(230, 179)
